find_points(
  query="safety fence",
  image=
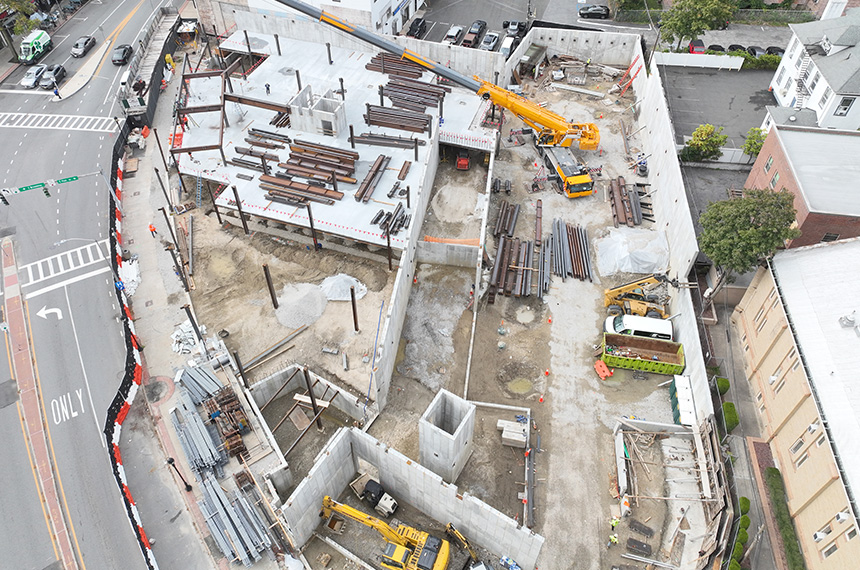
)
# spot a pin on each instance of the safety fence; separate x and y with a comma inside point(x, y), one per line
point(133, 373)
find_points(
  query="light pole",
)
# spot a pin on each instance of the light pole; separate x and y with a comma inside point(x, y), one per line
point(117, 281)
point(172, 463)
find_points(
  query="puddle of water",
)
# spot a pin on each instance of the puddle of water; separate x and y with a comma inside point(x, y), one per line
point(520, 386)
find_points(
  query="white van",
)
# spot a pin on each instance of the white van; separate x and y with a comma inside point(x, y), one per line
point(639, 326)
point(509, 44)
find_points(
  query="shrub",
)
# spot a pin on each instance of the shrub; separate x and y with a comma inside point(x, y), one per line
point(705, 144)
point(730, 415)
point(744, 505)
point(776, 491)
point(737, 552)
point(745, 522)
point(734, 565)
point(766, 61)
point(723, 385)
point(743, 536)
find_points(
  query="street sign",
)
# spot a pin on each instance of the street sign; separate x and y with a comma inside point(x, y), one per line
point(31, 187)
point(69, 179)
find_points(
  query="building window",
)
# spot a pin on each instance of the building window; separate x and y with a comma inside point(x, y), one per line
point(797, 445)
point(791, 47)
point(792, 353)
point(825, 98)
point(851, 534)
point(821, 440)
point(768, 164)
point(759, 315)
point(746, 348)
point(844, 106)
point(814, 81)
point(761, 409)
point(830, 550)
point(758, 397)
point(774, 304)
point(830, 237)
point(779, 387)
point(788, 83)
point(774, 180)
point(796, 365)
point(801, 460)
point(761, 325)
point(780, 75)
point(799, 60)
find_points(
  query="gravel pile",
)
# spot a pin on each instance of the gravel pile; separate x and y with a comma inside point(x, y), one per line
point(300, 304)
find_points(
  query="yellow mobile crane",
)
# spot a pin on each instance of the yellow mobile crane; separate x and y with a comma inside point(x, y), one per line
point(551, 129)
point(407, 549)
point(631, 298)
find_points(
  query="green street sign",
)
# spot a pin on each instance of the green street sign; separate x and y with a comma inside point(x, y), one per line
point(31, 187)
point(69, 179)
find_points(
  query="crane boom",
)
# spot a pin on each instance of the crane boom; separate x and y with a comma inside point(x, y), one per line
point(553, 129)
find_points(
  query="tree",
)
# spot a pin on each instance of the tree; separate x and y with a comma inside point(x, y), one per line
point(706, 144)
point(688, 19)
point(23, 24)
point(754, 141)
point(737, 234)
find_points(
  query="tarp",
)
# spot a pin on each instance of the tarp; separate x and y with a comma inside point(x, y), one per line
point(632, 250)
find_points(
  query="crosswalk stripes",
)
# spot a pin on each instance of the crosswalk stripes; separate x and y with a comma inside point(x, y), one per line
point(57, 122)
point(62, 263)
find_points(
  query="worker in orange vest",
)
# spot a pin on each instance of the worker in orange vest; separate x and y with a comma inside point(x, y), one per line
point(152, 230)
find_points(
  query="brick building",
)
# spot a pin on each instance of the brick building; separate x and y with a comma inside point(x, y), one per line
point(801, 351)
point(820, 167)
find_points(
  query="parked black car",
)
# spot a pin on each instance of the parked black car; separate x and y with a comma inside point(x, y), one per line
point(716, 47)
point(737, 47)
point(594, 11)
point(82, 46)
point(756, 51)
point(52, 76)
point(121, 54)
point(773, 50)
point(418, 28)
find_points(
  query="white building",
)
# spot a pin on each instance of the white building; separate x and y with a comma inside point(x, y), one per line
point(820, 71)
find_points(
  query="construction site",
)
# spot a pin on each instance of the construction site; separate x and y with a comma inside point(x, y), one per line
point(399, 276)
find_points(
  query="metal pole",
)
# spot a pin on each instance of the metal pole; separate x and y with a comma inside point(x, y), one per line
point(163, 189)
point(354, 308)
point(239, 206)
point(416, 149)
point(178, 268)
point(272, 399)
point(299, 80)
point(161, 151)
point(170, 227)
point(270, 285)
point(265, 166)
point(441, 109)
point(313, 398)
point(172, 463)
point(278, 44)
point(342, 90)
point(388, 238)
point(381, 99)
point(240, 367)
point(196, 329)
point(248, 44)
point(214, 205)
point(328, 50)
point(313, 231)
point(110, 189)
point(351, 137)
point(408, 194)
point(334, 181)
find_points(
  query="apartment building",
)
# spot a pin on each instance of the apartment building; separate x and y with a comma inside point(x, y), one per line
point(799, 325)
point(821, 71)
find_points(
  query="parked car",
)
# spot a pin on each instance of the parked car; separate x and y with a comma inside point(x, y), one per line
point(34, 75)
point(716, 47)
point(737, 47)
point(515, 28)
point(594, 11)
point(418, 28)
point(696, 46)
point(453, 36)
point(491, 41)
point(473, 36)
point(52, 76)
point(773, 50)
point(121, 54)
point(82, 46)
point(756, 51)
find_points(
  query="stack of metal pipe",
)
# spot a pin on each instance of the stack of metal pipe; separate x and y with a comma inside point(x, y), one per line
point(202, 447)
point(569, 245)
point(201, 382)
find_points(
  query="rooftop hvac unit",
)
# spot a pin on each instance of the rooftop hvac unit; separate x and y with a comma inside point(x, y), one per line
point(841, 516)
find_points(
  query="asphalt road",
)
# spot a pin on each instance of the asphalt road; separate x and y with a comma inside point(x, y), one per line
point(75, 332)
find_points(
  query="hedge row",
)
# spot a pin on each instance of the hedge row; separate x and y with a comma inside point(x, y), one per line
point(776, 490)
point(730, 415)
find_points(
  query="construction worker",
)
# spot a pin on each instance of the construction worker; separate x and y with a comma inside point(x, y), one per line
point(613, 539)
point(613, 522)
point(152, 230)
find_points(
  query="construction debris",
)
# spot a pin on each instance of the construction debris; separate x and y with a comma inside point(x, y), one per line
point(514, 434)
point(627, 203)
point(184, 338)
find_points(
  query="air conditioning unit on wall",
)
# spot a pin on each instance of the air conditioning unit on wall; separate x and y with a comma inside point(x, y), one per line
point(841, 516)
point(783, 92)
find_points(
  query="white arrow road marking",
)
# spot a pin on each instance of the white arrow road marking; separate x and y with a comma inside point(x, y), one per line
point(45, 311)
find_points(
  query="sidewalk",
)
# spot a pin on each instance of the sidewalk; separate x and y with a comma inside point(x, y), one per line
point(728, 351)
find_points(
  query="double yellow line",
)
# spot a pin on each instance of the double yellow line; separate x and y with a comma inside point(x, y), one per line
point(111, 38)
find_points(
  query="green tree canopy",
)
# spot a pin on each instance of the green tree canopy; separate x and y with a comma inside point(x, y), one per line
point(737, 234)
point(705, 144)
point(754, 141)
point(688, 19)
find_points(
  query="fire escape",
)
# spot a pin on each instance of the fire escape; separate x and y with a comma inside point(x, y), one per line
point(801, 91)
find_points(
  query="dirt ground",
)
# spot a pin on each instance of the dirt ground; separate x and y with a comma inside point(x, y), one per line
point(527, 352)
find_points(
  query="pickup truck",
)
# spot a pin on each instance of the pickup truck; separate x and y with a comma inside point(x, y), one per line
point(473, 36)
point(640, 353)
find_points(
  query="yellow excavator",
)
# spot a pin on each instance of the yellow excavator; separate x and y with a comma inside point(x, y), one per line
point(632, 298)
point(551, 128)
point(407, 548)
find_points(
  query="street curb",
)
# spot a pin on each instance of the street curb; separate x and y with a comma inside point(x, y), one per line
point(89, 68)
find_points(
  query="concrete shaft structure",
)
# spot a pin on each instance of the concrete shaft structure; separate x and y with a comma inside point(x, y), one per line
point(445, 435)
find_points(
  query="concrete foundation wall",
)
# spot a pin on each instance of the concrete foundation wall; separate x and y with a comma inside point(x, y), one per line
point(608, 48)
point(409, 482)
point(672, 213)
point(445, 435)
point(453, 254)
point(698, 60)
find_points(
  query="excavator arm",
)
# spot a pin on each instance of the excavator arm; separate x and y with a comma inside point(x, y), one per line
point(552, 128)
point(329, 506)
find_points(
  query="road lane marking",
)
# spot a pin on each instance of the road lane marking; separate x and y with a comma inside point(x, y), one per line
point(83, 369)
point(57, 122)
point(38, 381)
point(74, 258)
point(66, 282)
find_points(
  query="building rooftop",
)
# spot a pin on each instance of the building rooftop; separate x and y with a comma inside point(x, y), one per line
point(812, 280)
point(801, 117)
point(839, 62)
point(825, 165)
